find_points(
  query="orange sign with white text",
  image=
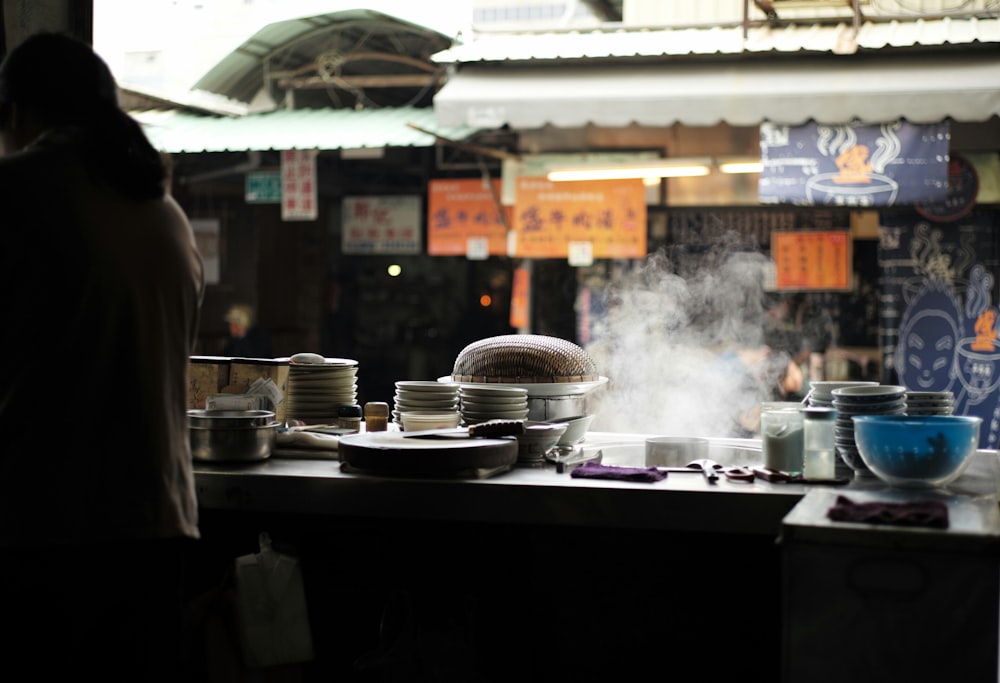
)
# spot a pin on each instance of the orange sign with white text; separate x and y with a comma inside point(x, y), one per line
point(463, 218)
point(609, 214)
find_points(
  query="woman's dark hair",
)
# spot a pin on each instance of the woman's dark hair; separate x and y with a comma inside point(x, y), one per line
point(64, 83)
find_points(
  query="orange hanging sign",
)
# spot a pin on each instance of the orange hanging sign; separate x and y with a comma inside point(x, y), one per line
point(461, 213)
point(610, 214)
point(520, 298)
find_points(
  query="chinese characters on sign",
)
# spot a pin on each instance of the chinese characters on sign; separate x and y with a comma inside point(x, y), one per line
point(381, 225)
point(854, 166)
point(298, 185)
point(812, 260)
point(609, 214)
point(461, 214)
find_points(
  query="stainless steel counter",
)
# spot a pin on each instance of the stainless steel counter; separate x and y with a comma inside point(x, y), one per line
point(548, 559)
point(540, 495)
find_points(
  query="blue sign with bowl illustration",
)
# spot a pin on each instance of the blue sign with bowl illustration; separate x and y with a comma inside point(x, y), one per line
point(939, 318)
point(854, 166)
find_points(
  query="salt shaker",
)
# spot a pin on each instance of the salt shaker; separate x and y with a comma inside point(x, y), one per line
point(819, 458)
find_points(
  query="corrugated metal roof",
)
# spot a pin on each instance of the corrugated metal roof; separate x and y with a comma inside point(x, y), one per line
point(294, 43)
point(830, 90)
point(665, 42)
point(174, 132)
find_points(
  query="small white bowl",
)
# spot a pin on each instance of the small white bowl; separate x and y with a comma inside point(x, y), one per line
point(415, 420)
point(576, 428)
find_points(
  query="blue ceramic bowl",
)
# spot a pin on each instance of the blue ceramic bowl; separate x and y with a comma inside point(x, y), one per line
point(917, 451)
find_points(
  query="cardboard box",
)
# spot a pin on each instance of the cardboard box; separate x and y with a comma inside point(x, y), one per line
point(244, 371)
point(207, 375)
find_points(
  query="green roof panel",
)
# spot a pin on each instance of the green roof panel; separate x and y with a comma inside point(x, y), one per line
point(175, 132)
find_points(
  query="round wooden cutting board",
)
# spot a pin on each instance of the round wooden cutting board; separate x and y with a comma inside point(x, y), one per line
point(393, 454)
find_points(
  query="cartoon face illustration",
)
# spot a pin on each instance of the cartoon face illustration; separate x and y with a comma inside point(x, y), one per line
point(928, 339)
point(927, 351)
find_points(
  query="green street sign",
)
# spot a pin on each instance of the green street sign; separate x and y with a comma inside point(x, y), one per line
point(263, 187)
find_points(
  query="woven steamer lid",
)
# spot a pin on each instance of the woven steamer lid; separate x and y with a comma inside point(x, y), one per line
point(524, 359)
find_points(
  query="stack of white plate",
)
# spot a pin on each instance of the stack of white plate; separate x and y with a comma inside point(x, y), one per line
point(417, 395)
point(483, 402)
point(878, 399)
point(316, 390)
point(930, 402)
point(821, 392)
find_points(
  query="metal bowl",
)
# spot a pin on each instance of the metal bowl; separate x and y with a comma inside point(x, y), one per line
point(235, 437)
point(230, 418)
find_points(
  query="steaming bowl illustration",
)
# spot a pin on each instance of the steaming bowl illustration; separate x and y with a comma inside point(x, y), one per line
point(822, 188)
point(977, 370)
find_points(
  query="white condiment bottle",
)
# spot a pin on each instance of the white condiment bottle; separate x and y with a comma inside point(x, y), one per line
point(819, 457)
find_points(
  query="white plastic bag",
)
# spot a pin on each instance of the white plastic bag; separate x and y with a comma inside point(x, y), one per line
point(274, 620)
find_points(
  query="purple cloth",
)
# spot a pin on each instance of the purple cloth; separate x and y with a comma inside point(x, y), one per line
point(595, 470)
point(932, 513)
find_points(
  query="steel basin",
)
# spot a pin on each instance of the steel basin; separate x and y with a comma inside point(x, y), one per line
point(232, 436)
point(630, 451)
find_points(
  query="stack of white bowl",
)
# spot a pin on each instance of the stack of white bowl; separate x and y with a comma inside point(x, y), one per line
point(878, 399)
point(481, 402)
point(424, 396)
point(316, 390)
point(930, 402)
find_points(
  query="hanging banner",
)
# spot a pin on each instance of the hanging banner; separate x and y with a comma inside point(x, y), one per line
point(609, 214)
point(298, 185)
point(938, 310)
point(963, 189)
point(461, 215)
point(855, 166)
point(381, 225)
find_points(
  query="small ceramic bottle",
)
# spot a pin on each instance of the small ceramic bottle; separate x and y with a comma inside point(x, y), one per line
point(376, 416)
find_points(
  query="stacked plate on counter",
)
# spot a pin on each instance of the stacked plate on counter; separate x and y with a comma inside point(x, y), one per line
point(930, 403)
point(421, 396)
point(876, 399)
point(482, 402)
point(316, 390)
point(821, 392)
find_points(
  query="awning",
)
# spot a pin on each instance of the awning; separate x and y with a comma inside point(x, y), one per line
point(832, 90)
point(173, 131)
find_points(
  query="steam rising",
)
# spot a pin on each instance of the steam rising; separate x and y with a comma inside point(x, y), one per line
point(661, 338)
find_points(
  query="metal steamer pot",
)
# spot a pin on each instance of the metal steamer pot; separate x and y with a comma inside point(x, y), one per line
point(232, 435)
point(546, 408)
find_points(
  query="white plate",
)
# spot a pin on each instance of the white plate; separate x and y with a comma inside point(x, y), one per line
point(495, 414)
point(425, 405)
point(427, 386)
point(499, 403)
point(492, 391)
point(540, 389)
point(327, 363)
point(426, 395)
